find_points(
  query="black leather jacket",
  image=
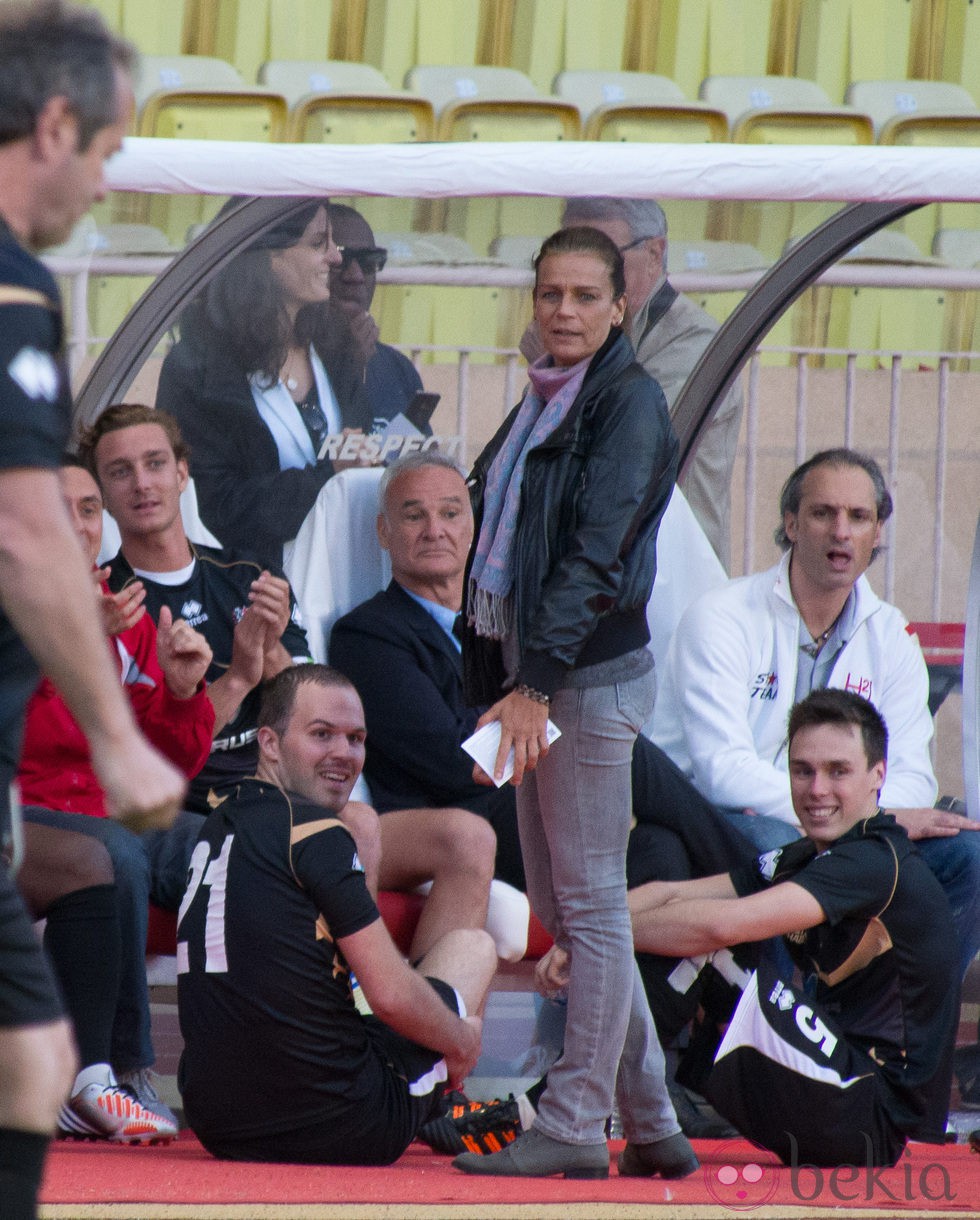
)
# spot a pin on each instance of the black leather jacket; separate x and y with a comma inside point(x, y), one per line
point(592, 498)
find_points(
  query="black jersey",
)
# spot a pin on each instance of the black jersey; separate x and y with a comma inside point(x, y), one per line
point(212, 600)
point(885, 959)
point(273, 1040)
point(35, 418)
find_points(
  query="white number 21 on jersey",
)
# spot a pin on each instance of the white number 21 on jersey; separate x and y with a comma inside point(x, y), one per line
point(213, 874)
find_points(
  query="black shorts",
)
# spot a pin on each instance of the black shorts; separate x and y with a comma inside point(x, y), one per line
point(29, 994)
point(788, 1080)
point(405, 1093)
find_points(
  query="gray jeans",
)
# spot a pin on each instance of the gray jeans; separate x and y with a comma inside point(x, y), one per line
point(574, 817)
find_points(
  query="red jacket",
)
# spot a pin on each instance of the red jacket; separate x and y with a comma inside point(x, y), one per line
point(56, 767)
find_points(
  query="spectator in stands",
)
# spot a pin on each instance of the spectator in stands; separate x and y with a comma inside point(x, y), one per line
point(66, 100)
point(261, 377)
point(390, 379)
point(570, 493)
point(669, 333)
point(163, 675)
point(279, 1064)
point(846, 1072)
point(140, 460)
point(744, 653)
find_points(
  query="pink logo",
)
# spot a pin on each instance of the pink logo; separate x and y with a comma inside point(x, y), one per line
point(741, 1187)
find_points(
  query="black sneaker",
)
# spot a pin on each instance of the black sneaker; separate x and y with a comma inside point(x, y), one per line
point(482, 1127)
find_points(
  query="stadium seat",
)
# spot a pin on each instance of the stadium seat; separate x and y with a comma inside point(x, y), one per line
point(199, 97)
point(637, 107)
point(486, 103)
point(336, 102)
point(924, 113)
point(913, 111)
point(840, 41)
point(779, 110)
point(483, 103)
point(784, 110)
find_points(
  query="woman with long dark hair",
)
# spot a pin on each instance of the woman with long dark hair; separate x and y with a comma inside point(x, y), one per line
point(568, 500)
point(262, 375)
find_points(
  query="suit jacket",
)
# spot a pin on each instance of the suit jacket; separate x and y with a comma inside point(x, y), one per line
point(244, 498)
point(409, 676)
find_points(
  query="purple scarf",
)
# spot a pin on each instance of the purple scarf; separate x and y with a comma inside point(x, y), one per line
point(548, 400)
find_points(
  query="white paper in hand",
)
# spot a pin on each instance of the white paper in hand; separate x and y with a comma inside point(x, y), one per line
point(482, 747)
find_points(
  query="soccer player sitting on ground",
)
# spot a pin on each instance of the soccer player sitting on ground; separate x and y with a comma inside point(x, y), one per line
point(847, 1068)
point(275, 921)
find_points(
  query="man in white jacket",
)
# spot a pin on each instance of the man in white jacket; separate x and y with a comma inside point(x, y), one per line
point(745, 653)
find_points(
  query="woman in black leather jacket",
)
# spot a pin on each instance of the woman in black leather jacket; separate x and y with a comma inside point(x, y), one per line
point(568, 498)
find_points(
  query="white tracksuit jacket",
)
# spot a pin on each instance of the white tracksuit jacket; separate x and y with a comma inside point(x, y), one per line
point(725, 693)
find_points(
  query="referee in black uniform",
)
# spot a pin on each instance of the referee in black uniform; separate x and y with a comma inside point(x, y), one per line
point(65, 103)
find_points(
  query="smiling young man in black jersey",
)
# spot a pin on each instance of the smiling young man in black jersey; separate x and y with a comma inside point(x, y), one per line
point(859, 1060)
point(279, 1064)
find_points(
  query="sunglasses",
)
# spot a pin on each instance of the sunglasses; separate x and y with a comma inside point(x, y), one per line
point(370, 259)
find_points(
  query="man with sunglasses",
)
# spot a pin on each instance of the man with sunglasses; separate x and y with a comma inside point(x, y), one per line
point(390, 378)
point(669, 333)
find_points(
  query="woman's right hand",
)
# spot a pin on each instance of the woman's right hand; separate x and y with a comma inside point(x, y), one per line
point(523, 727)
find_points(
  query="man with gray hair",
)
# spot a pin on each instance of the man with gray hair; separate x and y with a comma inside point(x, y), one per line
point(669, 333)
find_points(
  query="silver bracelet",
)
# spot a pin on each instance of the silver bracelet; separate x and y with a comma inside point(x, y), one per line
point(530, 693)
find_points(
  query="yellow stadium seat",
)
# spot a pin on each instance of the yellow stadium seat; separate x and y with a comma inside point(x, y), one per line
point(780, 110)
point(198, 97)
point(637, 107)
point(343, 103)
point(335, 102)
point(485, 103)
point(249, 32)
point(931, 114)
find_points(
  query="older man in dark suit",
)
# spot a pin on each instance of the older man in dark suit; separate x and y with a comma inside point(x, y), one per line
point(400, 651)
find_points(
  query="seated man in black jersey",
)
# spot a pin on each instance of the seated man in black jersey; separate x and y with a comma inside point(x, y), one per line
point(279, 1062)
point(139, 458)
point(846, 1068)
